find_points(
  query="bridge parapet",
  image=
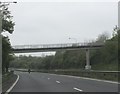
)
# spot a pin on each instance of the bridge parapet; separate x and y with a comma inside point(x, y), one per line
point(56, 45)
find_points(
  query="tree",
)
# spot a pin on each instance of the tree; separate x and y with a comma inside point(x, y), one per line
point(7, 23)
point(107, 56)
point(104, 58)
point(102, 37)
point(7, 26)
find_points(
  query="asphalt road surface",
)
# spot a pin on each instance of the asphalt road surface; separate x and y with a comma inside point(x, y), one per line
point(44, 82)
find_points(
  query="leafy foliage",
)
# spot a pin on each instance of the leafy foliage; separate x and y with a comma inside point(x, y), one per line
point(7, 26)
point(7, 23)
point(105, 58)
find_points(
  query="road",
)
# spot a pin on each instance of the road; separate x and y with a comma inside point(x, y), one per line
point(44, 82)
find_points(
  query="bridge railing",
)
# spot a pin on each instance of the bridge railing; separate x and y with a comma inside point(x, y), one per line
point(55, 45)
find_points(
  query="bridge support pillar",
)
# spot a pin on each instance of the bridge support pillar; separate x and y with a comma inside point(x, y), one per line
point(88, 66)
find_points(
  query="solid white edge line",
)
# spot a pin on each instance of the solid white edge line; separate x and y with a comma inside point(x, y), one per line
point(13, 84)
point(58, 82)
point(88, 78)
point(77, 89)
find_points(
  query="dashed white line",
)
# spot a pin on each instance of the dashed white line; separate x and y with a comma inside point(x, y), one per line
point(58, 82)
point(77, 89)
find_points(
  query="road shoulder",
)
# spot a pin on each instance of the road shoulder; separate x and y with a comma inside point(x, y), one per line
point(113, 82)
point(10, 83)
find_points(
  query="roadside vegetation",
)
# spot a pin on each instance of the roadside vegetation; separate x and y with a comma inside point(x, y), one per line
point(104, 61)
point(8, 79)
point(105, 58)
point(7, 26)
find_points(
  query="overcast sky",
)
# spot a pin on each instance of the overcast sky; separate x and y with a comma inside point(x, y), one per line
point(55, 22)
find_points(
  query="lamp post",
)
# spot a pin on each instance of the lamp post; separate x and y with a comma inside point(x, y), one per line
point(1, 18)
point(73, 39)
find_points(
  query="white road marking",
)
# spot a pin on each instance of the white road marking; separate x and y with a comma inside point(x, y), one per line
point(13, 84)
point(58, 82)
point(48, 78)
point(77, 89)
point(107, 81)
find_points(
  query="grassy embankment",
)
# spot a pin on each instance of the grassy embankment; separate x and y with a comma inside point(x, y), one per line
point(99, 71)
point(7, 80)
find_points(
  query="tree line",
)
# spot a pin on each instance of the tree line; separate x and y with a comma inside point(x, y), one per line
point(7, 26)
point(105, 58)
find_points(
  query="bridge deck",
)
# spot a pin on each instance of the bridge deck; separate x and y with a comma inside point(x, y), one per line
point(54, 47)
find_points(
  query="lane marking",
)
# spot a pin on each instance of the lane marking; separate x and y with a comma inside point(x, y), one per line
point(13, 84)
point(77, 89)
point(48, 78)
point(58, 82)
point(107, 81)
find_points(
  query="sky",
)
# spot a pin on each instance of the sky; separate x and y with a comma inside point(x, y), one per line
point(55, 22)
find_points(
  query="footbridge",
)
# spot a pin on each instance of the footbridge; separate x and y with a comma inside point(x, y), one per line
point(56, 47)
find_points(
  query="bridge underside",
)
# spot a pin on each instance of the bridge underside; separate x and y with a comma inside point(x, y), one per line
point(30, 50)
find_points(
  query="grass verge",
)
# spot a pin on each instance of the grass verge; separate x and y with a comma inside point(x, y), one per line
point(7, 80)
point(103, 75)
